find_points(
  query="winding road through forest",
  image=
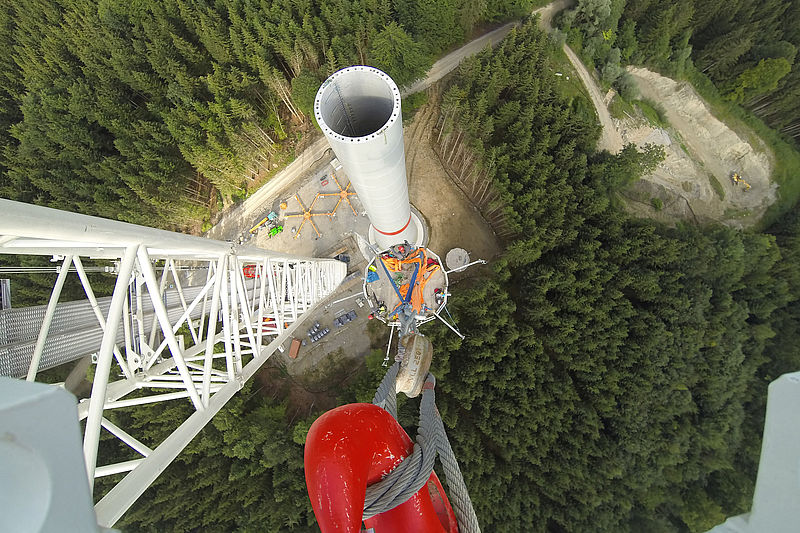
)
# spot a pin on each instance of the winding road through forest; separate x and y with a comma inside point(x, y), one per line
point(238, 218)
point(610, 139)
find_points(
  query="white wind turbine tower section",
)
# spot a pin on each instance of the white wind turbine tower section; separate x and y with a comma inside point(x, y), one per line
point(358, 109)
point(132, 335)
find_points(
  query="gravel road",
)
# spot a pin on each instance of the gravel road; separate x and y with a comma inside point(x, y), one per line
point(610, 139)
point(448, 63)
point(238, 219)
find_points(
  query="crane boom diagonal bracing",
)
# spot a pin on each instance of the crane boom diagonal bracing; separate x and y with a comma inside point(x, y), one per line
point(183, 323)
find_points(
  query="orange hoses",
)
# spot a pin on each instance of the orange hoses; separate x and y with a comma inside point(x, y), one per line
point(417, 257)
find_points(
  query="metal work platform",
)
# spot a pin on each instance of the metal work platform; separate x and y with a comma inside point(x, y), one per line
point(406, 279)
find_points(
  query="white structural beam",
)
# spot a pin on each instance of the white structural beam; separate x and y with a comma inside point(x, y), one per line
point(776, 499)
point(33, 368)
point(35, 230)
point(143, 357)
point(121, 497)
point(91, 436)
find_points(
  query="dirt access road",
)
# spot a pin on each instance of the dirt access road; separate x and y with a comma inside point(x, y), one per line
point(448, 63)
point(610, 139)
point(238, 219)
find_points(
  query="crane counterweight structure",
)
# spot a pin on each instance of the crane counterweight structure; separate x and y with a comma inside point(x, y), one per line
point(235, 324)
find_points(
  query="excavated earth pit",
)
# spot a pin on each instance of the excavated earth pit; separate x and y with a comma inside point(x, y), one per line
point(702, 153)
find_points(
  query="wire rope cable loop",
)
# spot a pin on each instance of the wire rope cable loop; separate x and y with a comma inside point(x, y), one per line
point(413, 472)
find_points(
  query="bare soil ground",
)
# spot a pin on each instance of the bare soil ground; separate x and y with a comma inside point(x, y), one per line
point(694, 182)
point(452, 219)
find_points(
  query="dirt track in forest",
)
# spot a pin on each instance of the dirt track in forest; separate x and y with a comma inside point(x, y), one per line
point(610, 138)
point(702, 153)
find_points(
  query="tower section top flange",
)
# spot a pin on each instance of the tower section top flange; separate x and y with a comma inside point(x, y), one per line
point(359, 111)
point(357, 104)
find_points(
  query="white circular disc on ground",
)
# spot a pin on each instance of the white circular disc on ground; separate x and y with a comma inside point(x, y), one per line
point(456, 258)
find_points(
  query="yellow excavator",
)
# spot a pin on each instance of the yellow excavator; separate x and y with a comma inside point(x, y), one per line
point(738, 180)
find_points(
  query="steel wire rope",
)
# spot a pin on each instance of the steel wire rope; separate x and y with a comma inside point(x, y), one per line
point(413, 472)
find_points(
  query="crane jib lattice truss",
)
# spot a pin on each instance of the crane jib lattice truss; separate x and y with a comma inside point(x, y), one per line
point(132, 337)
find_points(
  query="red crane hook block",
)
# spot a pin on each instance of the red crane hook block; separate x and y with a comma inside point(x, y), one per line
point(353, 446)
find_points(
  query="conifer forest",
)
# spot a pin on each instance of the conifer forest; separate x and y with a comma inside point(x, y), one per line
point(615, 372)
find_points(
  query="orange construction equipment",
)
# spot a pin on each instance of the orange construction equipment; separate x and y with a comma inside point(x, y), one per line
point(343, 195)
point(306, 215)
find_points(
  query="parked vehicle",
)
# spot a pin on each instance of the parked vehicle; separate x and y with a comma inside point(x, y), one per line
point(294, 348)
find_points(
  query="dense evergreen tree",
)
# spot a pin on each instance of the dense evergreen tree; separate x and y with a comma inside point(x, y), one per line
point(641, 344)
point(737, 44)
point(393, 50)
point(112, 108)
point(244, 472)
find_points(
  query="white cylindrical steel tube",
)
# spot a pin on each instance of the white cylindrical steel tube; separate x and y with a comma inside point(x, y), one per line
point(358, 109)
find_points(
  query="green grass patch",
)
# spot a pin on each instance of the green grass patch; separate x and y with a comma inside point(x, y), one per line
point(716, 185)
point(733, 212)
point(568, 84)
point(653, 112)
point(786, 158)
point(412, 103)
point(620, 109)
point(657, 204)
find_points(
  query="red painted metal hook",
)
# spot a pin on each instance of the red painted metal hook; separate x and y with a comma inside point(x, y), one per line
point(353, 446)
